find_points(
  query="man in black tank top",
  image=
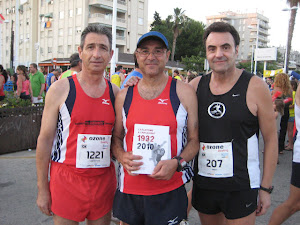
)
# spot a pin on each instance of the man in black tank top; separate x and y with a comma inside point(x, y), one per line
point(233, 106)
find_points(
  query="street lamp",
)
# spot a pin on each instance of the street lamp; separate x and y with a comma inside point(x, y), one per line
point(287, 42)
point(252, 51)
point(256, 47)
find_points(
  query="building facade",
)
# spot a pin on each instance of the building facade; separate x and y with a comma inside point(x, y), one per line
point(43, 31)
point(252, 27)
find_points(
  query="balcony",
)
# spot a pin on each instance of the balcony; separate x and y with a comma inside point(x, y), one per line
point(107, 20)
point(108, 4)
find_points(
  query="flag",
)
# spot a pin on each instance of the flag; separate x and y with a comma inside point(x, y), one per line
point(1, 18)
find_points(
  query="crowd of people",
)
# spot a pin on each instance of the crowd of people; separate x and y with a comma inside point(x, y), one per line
point(163, 131)
point(33, 83)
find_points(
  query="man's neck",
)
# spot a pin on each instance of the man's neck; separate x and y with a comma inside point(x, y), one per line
point(151, 87)
point(221, 83)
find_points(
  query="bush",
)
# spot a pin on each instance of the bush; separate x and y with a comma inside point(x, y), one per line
point(11, 101)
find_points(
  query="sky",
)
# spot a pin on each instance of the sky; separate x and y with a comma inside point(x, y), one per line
point(199, 9)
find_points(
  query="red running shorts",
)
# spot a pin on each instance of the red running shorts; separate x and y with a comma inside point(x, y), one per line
point(76, 197)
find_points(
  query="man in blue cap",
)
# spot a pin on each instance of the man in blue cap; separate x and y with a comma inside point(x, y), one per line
point(158, 112)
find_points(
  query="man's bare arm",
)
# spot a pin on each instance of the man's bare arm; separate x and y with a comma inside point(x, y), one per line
point(259, 93)
point(45, 141)
point(125, 158)
point(166, 168)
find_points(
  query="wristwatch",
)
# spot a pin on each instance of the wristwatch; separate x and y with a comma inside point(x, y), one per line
point(181, 163)
point(269, 190)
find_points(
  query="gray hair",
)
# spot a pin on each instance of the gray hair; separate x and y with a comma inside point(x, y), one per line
point(98, 29)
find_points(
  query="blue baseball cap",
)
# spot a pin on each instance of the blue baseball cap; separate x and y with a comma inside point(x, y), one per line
point(154, 34)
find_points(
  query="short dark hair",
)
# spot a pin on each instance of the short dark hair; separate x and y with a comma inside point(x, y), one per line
point(74, 60)
point(119, 67)
point(176, 71)
point(222, 27)
point(98, 29)
point(34, 65)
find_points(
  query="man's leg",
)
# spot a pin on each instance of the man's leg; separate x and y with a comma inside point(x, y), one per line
point(248, 220)
point(105, 220)
point(216, 219)
point(62, 221)
point(287, 208)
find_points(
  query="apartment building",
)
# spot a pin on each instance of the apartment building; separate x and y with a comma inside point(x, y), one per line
point(48, 31)
point(252, 27)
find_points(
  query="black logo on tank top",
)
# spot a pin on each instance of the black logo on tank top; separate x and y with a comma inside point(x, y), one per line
point(216, 110)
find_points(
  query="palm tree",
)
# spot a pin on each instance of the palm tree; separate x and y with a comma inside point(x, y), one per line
point(179, 19)
point(292, 3)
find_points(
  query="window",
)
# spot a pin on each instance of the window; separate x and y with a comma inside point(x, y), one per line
point(42, 51)
point(78, 30)
point(70, 31)
point(50, 33)
point(71, 13)
point(141, 5)
point(27, 21)
point(69, 49)
point(60, 49)
point(21, 37)
point(49, 49)
point(78, 11)
point(20, 51)
point(61, 15)
point(13, 10)
point(141, 21)
point(7, 11)
point(61, 32)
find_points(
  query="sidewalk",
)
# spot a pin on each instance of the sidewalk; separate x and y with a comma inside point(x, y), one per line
point(18, 191)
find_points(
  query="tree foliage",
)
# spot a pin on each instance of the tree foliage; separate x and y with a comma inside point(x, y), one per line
point(189, 42)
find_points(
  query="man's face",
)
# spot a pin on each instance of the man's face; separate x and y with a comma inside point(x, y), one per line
point(32, 69)
point(96, 53)
point(221, 51)
point(152, 64)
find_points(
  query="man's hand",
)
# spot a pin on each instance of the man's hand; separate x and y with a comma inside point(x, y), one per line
point(44, 202)
point(129, 162)
point(165, 169)
point(132, 81)
point(264, 202)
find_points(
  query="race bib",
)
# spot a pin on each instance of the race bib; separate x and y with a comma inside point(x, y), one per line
point(93, 151)
point(153, 143)
point(215, 160)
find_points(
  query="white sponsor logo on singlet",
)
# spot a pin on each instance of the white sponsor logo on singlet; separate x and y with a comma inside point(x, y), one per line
point(162, 101)
point(105, 101)
point(216, 110)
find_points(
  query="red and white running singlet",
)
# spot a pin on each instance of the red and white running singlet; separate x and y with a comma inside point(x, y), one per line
point(165, 110)
point(84, 129)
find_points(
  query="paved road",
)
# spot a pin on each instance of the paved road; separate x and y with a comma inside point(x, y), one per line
point(18, 191)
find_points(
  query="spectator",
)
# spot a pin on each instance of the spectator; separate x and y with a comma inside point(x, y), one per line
point(291, 120)
point(136, 73)
point(3, 79)
point(37, 81)
point(14, 79)
point(24, 90)
point(177, 75)
point(75, 66)
point(292, 204)
point(52, 77)
point(282, 85)
point(118, 77)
